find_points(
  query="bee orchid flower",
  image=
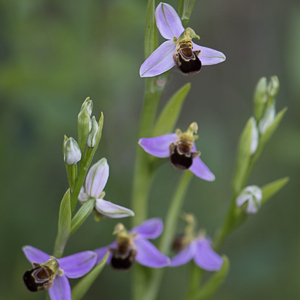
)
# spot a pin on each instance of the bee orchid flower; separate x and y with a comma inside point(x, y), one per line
point(134, 246)
point(179, 49)
point(52, 274)
point(181, 150)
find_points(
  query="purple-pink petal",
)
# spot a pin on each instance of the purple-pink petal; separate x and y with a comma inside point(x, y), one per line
point(159, 61)
point(97, 178)
point(101, 252)
point(184, 256)
point(149, 229)
point(61, 289)
point(201, 170)
point(79, 264)
point(168, 21)
point(148, 255)
point(206, 257)
point(158, 146)
point(35, 255)
point(209, 56)
point(112, 210)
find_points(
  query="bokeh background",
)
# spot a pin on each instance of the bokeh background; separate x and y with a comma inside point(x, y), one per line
point(53, 54)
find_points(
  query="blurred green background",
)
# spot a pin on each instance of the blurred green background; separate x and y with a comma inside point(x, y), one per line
point(53, 54)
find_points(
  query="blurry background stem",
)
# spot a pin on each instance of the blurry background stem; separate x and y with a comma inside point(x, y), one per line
point(168, 233)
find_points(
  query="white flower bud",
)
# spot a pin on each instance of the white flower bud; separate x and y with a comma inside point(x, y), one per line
point(72, 153)
point(267, 118)
point(254, 137)
point(93, 133)
point(250, 199)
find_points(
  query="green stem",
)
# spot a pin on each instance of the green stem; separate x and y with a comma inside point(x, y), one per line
point(226, 228)
point(84, 166)
point(168, 233)
point(194, 280)
point(71, 174)
point(144, 172)
point(230, 221)
point(173, 213)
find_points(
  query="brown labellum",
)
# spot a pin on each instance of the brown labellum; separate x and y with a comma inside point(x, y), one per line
point(181, 156)
point(123, 260)
point(187, 60)
point(38, 279)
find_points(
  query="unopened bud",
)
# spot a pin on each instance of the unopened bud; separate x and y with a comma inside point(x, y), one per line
point(250, 199)
point(260, 98)
point(93, 133)
point(267, 119)
point(72, 153)
point(84, 122)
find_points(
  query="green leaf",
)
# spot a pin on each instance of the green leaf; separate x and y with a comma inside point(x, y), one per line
point(82, 214)
point(272, 188)
point(214, 283)
point(64, 225)
point(151, 39)
point(84, 284)
point(243, 157)
point(185, 9)
point(268, 133)
point(170, 113)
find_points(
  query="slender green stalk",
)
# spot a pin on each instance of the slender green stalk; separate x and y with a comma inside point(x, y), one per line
point(194, 280)
point(168, 233)
point(143, 173)
point(226, 228)
point(229, 223)
point(173, 213)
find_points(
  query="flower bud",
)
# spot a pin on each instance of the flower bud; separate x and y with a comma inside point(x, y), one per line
point(72, 153)
point(273, 86)
point(93, 133)
point(84, 122)
point(260, 98)
point(250, 199)
point(267, 118)
point(254, 137)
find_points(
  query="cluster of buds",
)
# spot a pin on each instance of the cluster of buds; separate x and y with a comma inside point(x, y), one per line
point(88, 129)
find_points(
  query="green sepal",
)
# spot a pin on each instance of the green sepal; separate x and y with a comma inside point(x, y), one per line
point(82, 214)
point(272, 188)
point(84, 284)
point(70, 169)
point(84, 123)
point(64, 225)
point(214, 283)
point(260, 98)
point(151, 38)
point(184, 10)
point(268, 133)
point(71, 174)
point(98, 137)
point(169, 115)
point(243, 156)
